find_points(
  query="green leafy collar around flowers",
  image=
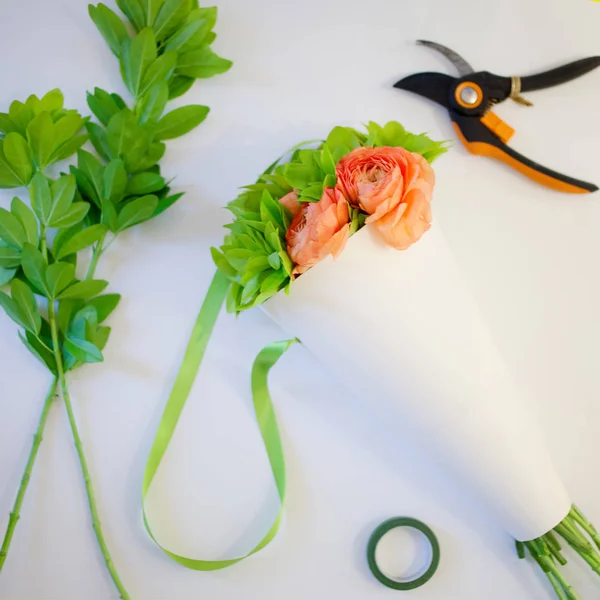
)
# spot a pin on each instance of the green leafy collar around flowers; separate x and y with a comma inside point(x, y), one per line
point(254, 254)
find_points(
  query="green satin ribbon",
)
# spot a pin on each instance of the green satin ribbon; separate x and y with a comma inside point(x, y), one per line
point(263, 407)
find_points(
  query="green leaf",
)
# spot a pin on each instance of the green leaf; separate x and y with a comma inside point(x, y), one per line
point(299, 176)
point(152, 103)
point(179, 85)
point(159, 71)
point(64, 235)
point(254, 267)
point(21, 116)
point(99, 139)
point(70, 147)
point(271, 210)
point(52, 101)
point(6, 124)
point(18, 155)
point(89, 176)
point(35, 104)
point(114, 181)
point(9, 257)
point(211, 36)
point(118, 101)
point(193, 33)
point(83, 350)
point(23, 296)
point(250, 289)
point(180, 121)
point(342, 139)
point(6, 275)
point(125, 63)
point(66, 128)
point(128, 140)
point(109, 215)
point(27, 219)
point(327, 162)
point(202, 63)
point(167, 202)
point(110, 26)
point(41, 197)
point(286, 261)
point(39, 350)
point(8, 177)
point(137, 57)
point(83, 239)
point(83, 290)
point(58, 277)
point(329, 181)
point(12, 309)
point(238, 258)
point(66, 310)
point(104, 305)
point(63, 192)
point(155, 152)
point(133, 11)
point(272, 236)
point(151, 8)
point(273, 282)
point(76, 213)
point(12, 231)
point(101, 337)
point(222, 263)
point(103, 105)
point(84, 321)
point(136, 211)
point(40, 138)
point(170, 16)
point(311, 193)
point(274, 261)
point(145, 183)
point(34, 266)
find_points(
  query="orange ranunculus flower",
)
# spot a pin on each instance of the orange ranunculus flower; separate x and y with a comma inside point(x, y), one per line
point(317, 230)
point(393, 186)
point(290, 201)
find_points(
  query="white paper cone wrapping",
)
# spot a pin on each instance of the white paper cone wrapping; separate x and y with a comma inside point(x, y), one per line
point(403, 326)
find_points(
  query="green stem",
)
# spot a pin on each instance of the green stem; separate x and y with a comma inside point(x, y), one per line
point(37, 440)
point(97, 253)
point(72, 423)
point(579, 517)
point(545, 549)
point(557, 588)
point(82, 460)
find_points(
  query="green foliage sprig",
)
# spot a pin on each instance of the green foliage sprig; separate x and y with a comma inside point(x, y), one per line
point(254, 254)
point(61, 315)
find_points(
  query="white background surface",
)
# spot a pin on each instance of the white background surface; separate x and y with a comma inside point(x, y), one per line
point(530, 255)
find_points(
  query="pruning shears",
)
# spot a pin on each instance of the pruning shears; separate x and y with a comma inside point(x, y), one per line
point(470, 97)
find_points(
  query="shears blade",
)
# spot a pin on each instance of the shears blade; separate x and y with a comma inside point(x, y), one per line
point(434, 86)
point(462, 66)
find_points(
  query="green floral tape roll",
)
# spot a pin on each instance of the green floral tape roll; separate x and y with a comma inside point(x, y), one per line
point(387, 526)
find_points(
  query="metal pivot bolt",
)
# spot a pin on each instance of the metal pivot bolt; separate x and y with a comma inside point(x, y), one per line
point(469, 95)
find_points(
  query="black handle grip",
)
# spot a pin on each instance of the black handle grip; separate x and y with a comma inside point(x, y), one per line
point(559, 75)
point(480, 140)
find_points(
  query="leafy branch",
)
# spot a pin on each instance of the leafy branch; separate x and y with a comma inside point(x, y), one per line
point(101, 196)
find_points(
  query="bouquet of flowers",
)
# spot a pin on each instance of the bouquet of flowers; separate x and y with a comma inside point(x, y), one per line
point(337, 246)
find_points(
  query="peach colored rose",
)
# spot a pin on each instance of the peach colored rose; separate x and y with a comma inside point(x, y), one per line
point(290, 201)
point(393, 186)
point(318, 229)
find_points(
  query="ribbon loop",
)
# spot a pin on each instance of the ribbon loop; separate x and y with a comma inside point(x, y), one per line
point(263, 406)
